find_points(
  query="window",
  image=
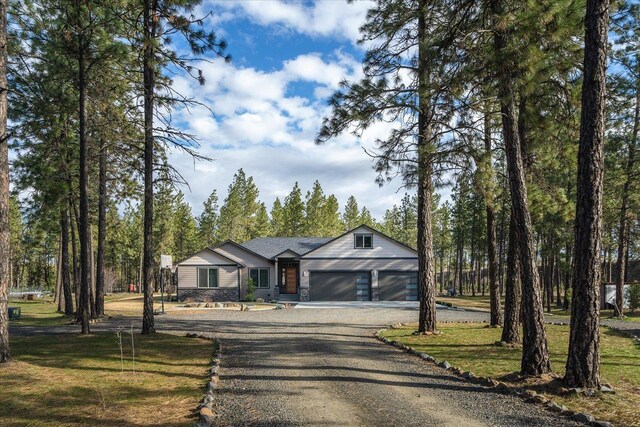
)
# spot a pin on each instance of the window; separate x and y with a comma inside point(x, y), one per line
point(207, 277)
point(363, 241)
point(260, 277)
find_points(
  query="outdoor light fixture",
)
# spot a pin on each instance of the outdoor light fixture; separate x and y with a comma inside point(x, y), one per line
point(374, 273)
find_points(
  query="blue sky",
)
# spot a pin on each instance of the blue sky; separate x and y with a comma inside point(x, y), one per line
point(288, 58)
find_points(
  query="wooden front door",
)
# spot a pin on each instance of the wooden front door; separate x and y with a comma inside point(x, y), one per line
point(291, 280)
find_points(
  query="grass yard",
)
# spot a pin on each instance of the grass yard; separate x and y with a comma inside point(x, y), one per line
point(39, 312)
point(70, 380)
point(131, 304)
point(471, 348)
point(42, 311)
point(481, 303)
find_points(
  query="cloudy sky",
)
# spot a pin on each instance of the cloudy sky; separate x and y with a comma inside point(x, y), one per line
point(268, 103)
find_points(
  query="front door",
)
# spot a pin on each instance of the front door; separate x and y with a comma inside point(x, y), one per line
point(289, 278)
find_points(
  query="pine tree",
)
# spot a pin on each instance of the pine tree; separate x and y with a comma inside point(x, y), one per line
point(391, 223)
point(158, 20)
point(408, 212)
point(535, 356)
point(315, 201)
point(331, 226)
point(366, 218)
point(627, 88)
point(293, 213)
point(583, 361)
point(351, 215)
point(208, 221)
point(262, 226)
point(238, 214)
point(5, 237)
point(416, 40)
point(233, 218)
point(184, 227)
point(442, 237)
point(277, 219)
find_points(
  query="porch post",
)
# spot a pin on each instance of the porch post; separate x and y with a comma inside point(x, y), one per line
point(276, 283)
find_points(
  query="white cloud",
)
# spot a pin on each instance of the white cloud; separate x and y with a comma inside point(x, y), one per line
point(266, 121)
point(323, 18)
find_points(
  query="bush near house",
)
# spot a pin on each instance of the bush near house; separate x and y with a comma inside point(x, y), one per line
point(251, 291)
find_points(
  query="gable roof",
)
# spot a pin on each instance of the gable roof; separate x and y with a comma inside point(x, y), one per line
point(269, 247)
point(210, 250)
point(370, 229)
point(238, 245)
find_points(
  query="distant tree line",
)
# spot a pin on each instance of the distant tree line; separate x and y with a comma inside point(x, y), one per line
point(241, 216)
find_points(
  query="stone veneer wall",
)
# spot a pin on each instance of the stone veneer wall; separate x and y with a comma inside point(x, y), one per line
point(374, 294)
point(303, 294)
point(208, 294)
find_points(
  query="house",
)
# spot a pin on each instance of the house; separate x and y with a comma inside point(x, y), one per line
point(360, 265)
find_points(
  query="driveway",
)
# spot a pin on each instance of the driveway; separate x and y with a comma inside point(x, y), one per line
point(322, 366)
point(319, 366)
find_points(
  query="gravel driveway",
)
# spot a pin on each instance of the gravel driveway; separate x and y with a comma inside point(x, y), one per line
point(320, 366)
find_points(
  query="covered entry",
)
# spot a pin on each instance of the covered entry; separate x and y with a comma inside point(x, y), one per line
point(340, 286)
point(288, 276)
point(398, 285)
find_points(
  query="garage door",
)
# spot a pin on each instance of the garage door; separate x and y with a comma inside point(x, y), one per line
point(398, 286)
point(339, 286)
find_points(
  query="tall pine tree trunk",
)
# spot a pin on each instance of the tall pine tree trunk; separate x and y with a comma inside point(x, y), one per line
point(64, 257)
point(511, 327)
point(92, 276)
point(58, 297)
point(102, 227)
point(74, 258)
point(623, 232)
point(84, 308)
point(472, 272)
point(535, 355)
point(148, 71)
point(501, 249)
point(583, 361)
point(5, 240)
point(494, 286)
point(426, 260)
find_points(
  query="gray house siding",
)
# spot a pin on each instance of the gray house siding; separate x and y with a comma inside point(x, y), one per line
point(227, 289)
point(250, 260)
point(343, 247)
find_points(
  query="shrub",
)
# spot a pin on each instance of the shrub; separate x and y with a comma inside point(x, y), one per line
point(634, 297)
point(251, 291)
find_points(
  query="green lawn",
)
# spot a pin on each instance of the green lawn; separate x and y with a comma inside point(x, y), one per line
point(39, 312)
point(72, 380)
point(481, 303)
point(471, 348)
point(42, 311)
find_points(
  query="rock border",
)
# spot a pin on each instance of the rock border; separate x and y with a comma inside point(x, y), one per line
point(529, 396)
point(205, 408)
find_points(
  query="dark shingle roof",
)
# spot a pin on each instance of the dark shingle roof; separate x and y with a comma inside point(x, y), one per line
point(269, 247)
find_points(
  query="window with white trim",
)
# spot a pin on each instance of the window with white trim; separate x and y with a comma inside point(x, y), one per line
point(260, 277)
point(207, 277)
point(363, 241)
